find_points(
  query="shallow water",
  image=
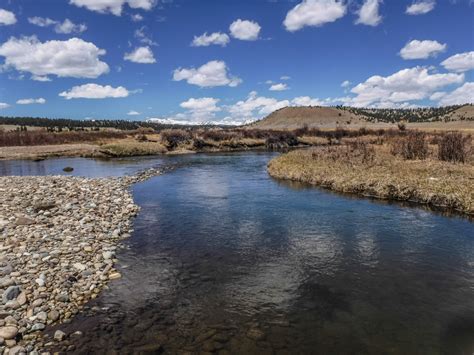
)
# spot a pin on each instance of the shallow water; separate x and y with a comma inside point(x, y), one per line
point(226, 259)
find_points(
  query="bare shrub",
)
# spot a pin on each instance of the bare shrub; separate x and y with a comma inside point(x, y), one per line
point(219, 134)
point(42, 137)
point(413, 146)
point(354, 153)
point(361, 151)
point(454, 147)
point(401, 126)
point(281, 140)
point(172, 138)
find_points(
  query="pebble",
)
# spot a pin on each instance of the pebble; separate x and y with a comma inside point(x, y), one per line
point(8, 332)
point(59, 335)
point(57, 240)
point(10, 293)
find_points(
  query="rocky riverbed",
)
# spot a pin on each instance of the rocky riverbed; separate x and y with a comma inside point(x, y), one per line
point(58, 239)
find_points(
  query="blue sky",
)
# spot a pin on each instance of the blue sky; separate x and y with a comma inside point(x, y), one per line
point(135, 59)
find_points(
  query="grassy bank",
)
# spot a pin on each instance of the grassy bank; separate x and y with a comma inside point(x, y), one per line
point(379, 171)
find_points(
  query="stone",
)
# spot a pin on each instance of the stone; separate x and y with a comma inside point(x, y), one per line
point(37, 326)
point(115, 275)
point(40, 282)
point(21, 299)
point(17, 350)
point(24, 221)
point(8, 332)
point(42, 317)
point(53, 315)
point(10, 293)
point(76, 334)
point(79, 266)
point(255, 334)
point(3, 224)
point(63, 297)
point(107, 255)
point(6, 281)
point(6, 270)
point(59, 335)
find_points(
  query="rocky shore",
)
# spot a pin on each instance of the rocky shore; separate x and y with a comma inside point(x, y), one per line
point(58, 239)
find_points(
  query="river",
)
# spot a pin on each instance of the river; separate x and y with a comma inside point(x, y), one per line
point(224, 259)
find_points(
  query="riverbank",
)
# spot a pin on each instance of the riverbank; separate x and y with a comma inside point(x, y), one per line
point(59, 236)
point(381, 175)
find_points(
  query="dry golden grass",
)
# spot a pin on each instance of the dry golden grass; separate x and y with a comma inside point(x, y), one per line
point(385, 176)
point(128, 147)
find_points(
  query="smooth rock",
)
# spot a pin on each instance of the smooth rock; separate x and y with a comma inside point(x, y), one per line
point(8, 332)
point(37, 326)
point(79, 266)
point(53, 315)
point(115, 275)
point(21, 299)
point(59, 335)
point(10, 293)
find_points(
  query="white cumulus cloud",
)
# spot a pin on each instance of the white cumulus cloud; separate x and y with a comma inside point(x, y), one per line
point(460, 96)
point(421, 7)
point(201, 108)
point(421, 49)
point(205, 40)
point(245, 30)
point(278, 87)
point(459, 62)
point(405, 85)
point(65, 27)
point(4, 105)
point(41, 21)
point(133, 113)
point(142, 55)
point(31, 101)
point(72, 58)
point(213, 73)
point(255, 107)
point(94, 91)
point(307, 101)
point(113, 6)
point(7, 18)
point(136, 17)
point(369, 13)
point(345, 84)
point(314, 13)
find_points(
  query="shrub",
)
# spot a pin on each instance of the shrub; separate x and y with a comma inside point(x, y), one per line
point(42, 137)
point(412, 146)
point(402, 126)
point(454, 147)
point(281, 140)
point(172, 138)
point(219, 134)
point(361, 151)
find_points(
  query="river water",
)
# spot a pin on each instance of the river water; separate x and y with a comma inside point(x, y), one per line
point(224, 259)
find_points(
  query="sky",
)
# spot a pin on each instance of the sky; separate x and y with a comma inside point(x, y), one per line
point(230, 61)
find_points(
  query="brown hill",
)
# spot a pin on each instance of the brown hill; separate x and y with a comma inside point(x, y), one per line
point(321, 117)
point(461, 117)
